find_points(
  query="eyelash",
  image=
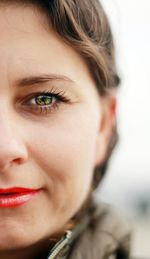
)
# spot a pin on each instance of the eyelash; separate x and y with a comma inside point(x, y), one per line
point(57, 99)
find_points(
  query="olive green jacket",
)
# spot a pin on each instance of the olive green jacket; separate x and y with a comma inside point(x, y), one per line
point(101, 234)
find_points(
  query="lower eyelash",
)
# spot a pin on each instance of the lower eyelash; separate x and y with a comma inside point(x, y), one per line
point(47, 109)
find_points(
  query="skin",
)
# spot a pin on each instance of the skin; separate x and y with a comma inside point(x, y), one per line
point(57, 151)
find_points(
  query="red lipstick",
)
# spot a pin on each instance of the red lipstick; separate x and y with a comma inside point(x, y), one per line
point(16, 196)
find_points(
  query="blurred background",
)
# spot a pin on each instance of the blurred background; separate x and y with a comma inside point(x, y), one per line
point(127, 184)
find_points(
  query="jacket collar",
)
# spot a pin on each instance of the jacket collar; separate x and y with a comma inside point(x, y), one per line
point(62, 247)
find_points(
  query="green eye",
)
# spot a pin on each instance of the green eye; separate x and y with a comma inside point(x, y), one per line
point(43, 100)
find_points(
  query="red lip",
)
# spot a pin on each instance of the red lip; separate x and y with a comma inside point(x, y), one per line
point(16, 190)
point(16, 196)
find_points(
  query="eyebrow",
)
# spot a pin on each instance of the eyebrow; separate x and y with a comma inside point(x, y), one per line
point(32, 80)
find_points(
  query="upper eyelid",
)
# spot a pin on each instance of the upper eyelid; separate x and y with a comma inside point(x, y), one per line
point(38, 93)
point(60, 96)
point(51, 81)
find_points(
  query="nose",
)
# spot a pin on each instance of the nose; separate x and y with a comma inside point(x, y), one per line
point(12, 147)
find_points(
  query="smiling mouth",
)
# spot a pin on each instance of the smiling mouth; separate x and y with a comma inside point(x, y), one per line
point(14, 197)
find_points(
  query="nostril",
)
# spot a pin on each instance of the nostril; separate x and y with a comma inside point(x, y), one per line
point(8, 162)
point(18, 161)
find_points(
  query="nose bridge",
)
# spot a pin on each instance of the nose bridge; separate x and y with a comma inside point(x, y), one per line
point(12, 147)
point(7, 134)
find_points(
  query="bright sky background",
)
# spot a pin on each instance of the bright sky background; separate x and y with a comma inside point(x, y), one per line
point(129, 172)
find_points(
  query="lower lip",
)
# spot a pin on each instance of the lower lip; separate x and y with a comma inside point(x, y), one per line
point(17, 199)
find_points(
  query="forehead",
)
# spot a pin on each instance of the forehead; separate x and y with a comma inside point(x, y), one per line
point(28, 45)
point(18, 19)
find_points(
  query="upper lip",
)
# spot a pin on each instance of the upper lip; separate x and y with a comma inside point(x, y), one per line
point(16, 190)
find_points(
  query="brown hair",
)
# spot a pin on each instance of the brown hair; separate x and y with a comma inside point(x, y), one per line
point(83, 24)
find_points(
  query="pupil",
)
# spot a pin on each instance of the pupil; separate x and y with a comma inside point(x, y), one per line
point(44, 100)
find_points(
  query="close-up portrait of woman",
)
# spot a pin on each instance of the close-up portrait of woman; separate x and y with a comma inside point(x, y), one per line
point(58, 129)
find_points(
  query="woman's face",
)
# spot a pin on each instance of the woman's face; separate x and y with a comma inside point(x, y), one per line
point(50, 127)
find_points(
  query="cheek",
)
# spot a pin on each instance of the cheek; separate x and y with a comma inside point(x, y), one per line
point(64, 152)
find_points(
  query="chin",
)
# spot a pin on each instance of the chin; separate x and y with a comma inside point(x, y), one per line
point(11, 241)
point(13, 237)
